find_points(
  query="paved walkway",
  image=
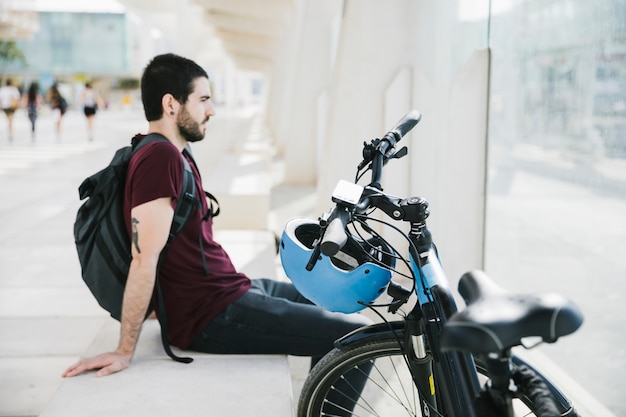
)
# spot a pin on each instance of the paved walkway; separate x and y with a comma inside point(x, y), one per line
point(47, 316)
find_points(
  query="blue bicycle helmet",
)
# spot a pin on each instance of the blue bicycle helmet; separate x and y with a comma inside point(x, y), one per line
point(338, 283)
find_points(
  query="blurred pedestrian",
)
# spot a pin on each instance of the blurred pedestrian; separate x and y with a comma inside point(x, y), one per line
point(90, 100)
point(33, 100)
point(59, 104)
point(9, 102)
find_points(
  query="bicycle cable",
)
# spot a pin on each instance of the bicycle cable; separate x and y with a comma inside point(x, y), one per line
point(412, 246)
point(362, 221)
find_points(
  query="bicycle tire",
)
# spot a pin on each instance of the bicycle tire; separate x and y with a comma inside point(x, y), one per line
point(389, 390)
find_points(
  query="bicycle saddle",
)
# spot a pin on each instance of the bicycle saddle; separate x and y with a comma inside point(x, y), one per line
point(495, 320)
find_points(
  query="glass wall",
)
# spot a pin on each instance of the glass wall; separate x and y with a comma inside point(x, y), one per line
point(69, 43)
point(556, 206)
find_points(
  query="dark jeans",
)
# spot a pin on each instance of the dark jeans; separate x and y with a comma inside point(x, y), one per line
point(274, 318)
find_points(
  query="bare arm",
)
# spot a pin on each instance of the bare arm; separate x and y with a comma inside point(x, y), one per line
point(151, 223)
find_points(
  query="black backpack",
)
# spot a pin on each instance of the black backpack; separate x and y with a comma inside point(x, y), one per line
point(102, 240)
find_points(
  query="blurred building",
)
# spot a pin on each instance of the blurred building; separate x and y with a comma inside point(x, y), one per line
point(17, 19)
point(68, 43)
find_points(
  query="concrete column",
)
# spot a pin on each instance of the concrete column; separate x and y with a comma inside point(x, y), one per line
point(280, 81)
point(373, 50)
point(309, 64)
point(448, 158)
point(461, 205)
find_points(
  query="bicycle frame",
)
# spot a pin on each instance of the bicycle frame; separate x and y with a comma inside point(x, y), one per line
point(454, 372)
point(451, 372)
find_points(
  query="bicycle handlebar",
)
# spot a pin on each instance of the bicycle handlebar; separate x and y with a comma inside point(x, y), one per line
point(397, 132)
point(335, 234)
point(381, 149)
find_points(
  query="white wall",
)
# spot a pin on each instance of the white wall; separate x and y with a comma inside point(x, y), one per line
point(392, 57)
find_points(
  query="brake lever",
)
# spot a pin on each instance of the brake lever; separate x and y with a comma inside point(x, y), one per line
point(400, 154)
point(368, 152)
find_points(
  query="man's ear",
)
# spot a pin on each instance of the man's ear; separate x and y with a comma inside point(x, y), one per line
point(170, 105)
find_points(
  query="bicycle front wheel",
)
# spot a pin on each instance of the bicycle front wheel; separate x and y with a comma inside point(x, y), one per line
point(370, 379)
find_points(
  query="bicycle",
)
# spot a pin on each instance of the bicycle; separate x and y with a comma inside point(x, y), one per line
point(435, 360)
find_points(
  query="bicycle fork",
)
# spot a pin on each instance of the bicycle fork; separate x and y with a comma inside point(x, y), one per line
point(421, 365)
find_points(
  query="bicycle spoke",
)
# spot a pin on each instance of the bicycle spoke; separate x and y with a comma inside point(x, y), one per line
point(391, 391)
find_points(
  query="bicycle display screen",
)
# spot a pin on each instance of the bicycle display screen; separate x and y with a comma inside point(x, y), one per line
point(347, 193)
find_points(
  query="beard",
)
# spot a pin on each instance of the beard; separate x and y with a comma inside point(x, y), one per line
point(189, 129)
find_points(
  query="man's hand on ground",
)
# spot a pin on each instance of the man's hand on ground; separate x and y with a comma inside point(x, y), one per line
point(106, 363)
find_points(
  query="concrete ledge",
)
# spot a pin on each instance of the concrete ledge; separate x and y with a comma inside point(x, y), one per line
point(156, 386)
point(210, 386)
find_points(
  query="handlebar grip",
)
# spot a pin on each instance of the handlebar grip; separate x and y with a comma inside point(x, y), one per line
point(335, 235)
point(405, 124)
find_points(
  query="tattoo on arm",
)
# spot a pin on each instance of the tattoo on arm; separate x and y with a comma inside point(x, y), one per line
point(135, 222)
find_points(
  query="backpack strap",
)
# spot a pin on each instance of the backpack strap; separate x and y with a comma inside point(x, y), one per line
point(214, 210)
point(214, 205)
point(187, 201)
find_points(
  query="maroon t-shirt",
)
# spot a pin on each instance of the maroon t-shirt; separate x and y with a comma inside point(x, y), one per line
point(192, 296)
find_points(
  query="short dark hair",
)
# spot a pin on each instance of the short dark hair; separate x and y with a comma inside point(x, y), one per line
point(167, 74)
